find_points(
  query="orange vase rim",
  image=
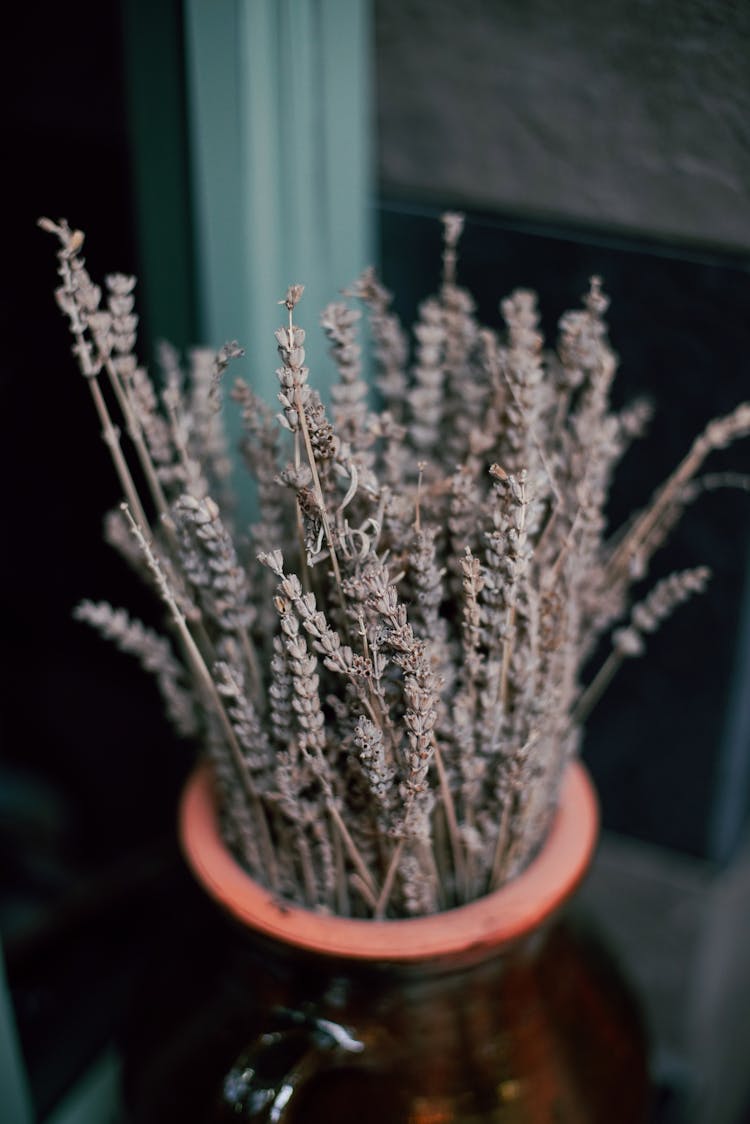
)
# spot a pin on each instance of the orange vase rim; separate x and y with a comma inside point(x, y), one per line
point(471, 930)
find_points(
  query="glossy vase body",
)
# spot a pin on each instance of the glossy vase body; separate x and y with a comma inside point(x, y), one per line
point(525, 1022)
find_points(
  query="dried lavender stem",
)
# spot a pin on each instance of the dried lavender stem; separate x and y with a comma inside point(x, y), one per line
point(304, 568)
point(251, 661)
point(459, 866)
point(596, 688)
point(308, 873)
point(645, 617)
point(72, 241)
point(537, 445)
point(180, 445)
point(553, 573)
point(510, 618)
point(547, 529)
point(504, 845)
point(135, 432)
point(111, 437)
point(319, 493)
point(364, 891)
point(197, 663)
point(428, 856)
point(342, 896)
point(351, 848)
point(441, 850)
point(302, 427)
point(382, 902)
point(718, 432)
point(373, 703)
point(418, 499)
point(500, 856)
point(205, 679)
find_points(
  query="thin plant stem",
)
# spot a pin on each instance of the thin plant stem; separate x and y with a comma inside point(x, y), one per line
point(342, 895)
point(111, 436)
point(717, 434)
point(319, 494)
point(596, 688)
point(208, 686)
point(179, 442)
point(509, 635)
point(308, 873)
point(388, 882)
point(441, 849)
point(364, 891)
point(352, 850)
point(499, 858)
point(72, 242)
point(320, 499)
point(135, 432)
point(502, 847)
point(351, 847)
point(459, 866)
point(429, 860)
point(251, 660)
point(421, 466)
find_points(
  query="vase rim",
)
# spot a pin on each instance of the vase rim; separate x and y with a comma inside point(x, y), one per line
point(480, 927)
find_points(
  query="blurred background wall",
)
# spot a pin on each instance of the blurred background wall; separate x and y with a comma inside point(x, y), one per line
point(633, 115)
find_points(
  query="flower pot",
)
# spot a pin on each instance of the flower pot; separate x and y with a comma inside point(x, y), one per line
point(495, 1011)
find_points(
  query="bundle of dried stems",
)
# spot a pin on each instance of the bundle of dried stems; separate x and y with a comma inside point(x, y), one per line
point(388, 678)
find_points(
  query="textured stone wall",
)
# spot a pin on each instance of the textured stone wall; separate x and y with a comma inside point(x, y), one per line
point(632, 114)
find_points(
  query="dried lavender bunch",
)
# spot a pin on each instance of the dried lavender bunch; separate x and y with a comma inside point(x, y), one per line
point(390, 672)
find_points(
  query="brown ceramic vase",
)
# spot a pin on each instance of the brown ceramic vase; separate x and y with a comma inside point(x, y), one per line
point(496, 1011)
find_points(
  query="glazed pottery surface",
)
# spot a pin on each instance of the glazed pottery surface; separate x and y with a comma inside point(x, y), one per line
point(494, 1012)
